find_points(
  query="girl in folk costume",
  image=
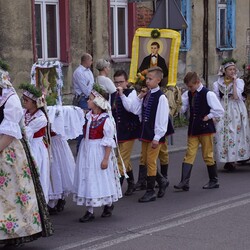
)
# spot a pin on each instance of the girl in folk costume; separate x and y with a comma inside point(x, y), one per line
point(96, 179)
point(23, 211)
point(232, 137)
point(36, 126)
point(62, 169)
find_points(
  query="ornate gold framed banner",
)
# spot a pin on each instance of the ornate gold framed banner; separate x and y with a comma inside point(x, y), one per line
point(155, 47)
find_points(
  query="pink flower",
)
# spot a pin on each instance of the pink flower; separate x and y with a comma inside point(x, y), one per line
point(24, 197)
point(2, 180)
point(248, 67)
point(12, 155)
point(39, 218)
point(9, 225)
point(28, 170)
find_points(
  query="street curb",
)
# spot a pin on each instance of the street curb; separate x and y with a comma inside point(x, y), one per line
point(134, 157)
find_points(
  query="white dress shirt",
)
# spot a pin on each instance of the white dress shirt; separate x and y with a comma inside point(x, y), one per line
point(212, 100)
point(162, 114)
point(83, 81)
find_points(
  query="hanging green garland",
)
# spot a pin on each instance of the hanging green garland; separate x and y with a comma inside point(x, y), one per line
point(155, 33)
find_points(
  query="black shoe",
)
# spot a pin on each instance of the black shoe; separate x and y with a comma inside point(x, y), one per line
point(52, 211)
point(229, 166)
point(163, 184)
point(148, 196)
point(213, 178)
point(185, 177)
point(211, 184)
point(130, 190)
point(182, 186)
point(107, 211)
point(60, 205)
point(87, 217)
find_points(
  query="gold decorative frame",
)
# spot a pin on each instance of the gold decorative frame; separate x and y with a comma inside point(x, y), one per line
point(172, 37)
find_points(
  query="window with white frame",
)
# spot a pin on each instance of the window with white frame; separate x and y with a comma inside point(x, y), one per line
point(47, 29)
point(225, 37)
point(119, 28)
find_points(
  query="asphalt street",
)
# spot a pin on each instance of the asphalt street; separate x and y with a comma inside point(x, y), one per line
point(198, 219)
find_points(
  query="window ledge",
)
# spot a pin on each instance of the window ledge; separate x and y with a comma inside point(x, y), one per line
point(222, 49)
point(121, 60)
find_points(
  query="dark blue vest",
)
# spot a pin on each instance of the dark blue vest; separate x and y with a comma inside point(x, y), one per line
point(199, 108)
point(149, 108)
point(128, 124)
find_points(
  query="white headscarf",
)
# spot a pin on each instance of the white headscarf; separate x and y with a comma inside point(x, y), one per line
point(224, 66)
point(100, 101)
point(5, 79)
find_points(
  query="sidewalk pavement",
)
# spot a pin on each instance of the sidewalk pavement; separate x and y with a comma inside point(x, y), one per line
point(176, 142)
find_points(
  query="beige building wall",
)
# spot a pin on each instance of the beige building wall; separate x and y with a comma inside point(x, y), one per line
point(89, 33)
point(16, 47)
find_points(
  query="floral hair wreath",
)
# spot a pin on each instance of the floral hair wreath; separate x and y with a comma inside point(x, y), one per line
point(225, 64)
point(33, 93)
point(99, 100)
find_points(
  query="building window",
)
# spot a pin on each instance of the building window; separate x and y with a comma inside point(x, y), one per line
point(186, 33)
point(225, 37)
point(47, 29)
point(119, 28)
point(51, 30)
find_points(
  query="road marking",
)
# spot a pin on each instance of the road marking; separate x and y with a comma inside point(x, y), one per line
point(170, 221)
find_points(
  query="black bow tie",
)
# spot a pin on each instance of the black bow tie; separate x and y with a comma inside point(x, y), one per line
point(154, 56)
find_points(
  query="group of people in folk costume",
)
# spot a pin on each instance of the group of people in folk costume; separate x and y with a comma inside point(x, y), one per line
point(32, 184)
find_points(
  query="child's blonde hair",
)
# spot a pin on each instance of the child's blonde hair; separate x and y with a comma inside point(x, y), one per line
point(157, 70)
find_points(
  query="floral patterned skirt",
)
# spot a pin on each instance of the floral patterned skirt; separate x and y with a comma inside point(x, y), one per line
point(23, 212)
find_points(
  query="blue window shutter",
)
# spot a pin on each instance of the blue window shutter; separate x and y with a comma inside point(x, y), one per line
point(231, 23)
point(186, 33)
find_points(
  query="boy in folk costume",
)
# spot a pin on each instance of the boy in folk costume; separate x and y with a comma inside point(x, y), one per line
point(204, 106)
point(127, 125)
point(154, 110)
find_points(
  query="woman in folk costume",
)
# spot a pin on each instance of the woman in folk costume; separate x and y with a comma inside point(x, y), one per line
point(23, 211)
point(36, 126)
point(96, 179)
point(232, 138)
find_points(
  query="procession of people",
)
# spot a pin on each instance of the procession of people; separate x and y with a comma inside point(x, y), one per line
point(38, 170)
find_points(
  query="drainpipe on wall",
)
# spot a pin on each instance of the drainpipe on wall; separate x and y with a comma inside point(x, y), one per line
point(205, 43)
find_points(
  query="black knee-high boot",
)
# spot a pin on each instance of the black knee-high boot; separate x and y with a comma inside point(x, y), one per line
point(163, 184)
point(164, 172)
point(142, 179)
point(213, 177)
point(131, 184)
point(185, 177)
point(150, 193)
